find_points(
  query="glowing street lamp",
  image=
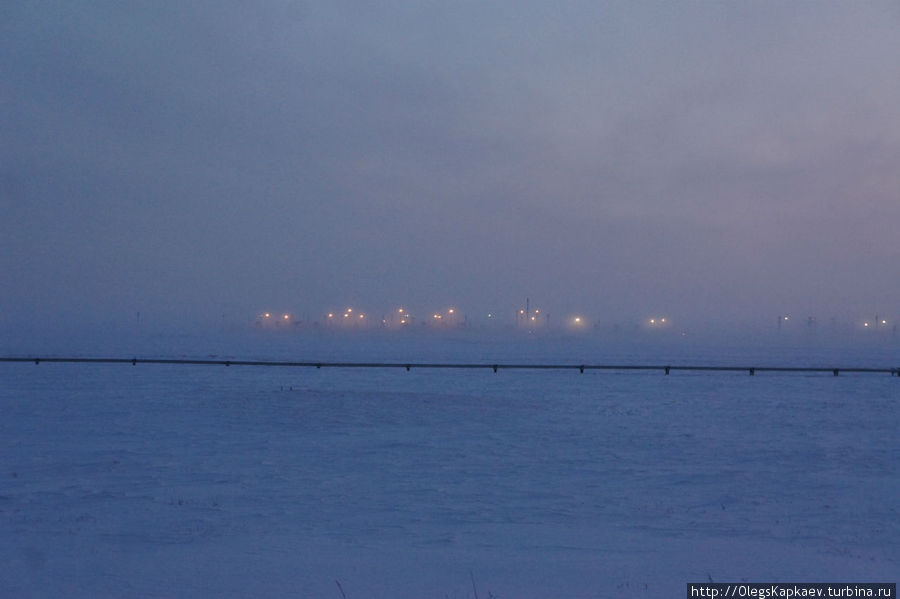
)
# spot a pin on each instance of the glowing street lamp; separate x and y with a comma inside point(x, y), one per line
point(576, 323)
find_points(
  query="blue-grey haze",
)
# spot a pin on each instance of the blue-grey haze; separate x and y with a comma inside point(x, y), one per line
point(707, 160)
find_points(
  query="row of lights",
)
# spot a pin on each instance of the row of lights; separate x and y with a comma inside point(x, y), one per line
point(405, 318)
point(883, 322)
point(268, 316)
point(867, 324)
point(348, 314)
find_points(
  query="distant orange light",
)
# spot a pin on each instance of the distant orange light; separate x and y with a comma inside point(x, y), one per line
point(330, 315)
point(361, 315)
point(286, 317)
point(267, 315)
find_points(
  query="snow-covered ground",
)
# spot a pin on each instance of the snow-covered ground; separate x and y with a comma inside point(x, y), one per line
point(199, 481)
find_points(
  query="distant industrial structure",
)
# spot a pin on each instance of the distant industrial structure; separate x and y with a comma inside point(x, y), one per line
point(531, 318)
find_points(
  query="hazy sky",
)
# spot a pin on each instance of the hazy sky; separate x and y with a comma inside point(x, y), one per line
point(616, 158)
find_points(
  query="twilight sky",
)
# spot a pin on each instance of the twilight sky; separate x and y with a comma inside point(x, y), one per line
point(737, 160)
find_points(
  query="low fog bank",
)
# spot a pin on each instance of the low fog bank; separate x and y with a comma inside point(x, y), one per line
point(803, 344)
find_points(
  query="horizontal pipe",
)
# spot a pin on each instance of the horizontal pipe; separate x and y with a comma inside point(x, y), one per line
point(492, 366)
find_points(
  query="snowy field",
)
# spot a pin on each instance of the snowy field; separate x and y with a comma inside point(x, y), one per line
point(201, 481)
